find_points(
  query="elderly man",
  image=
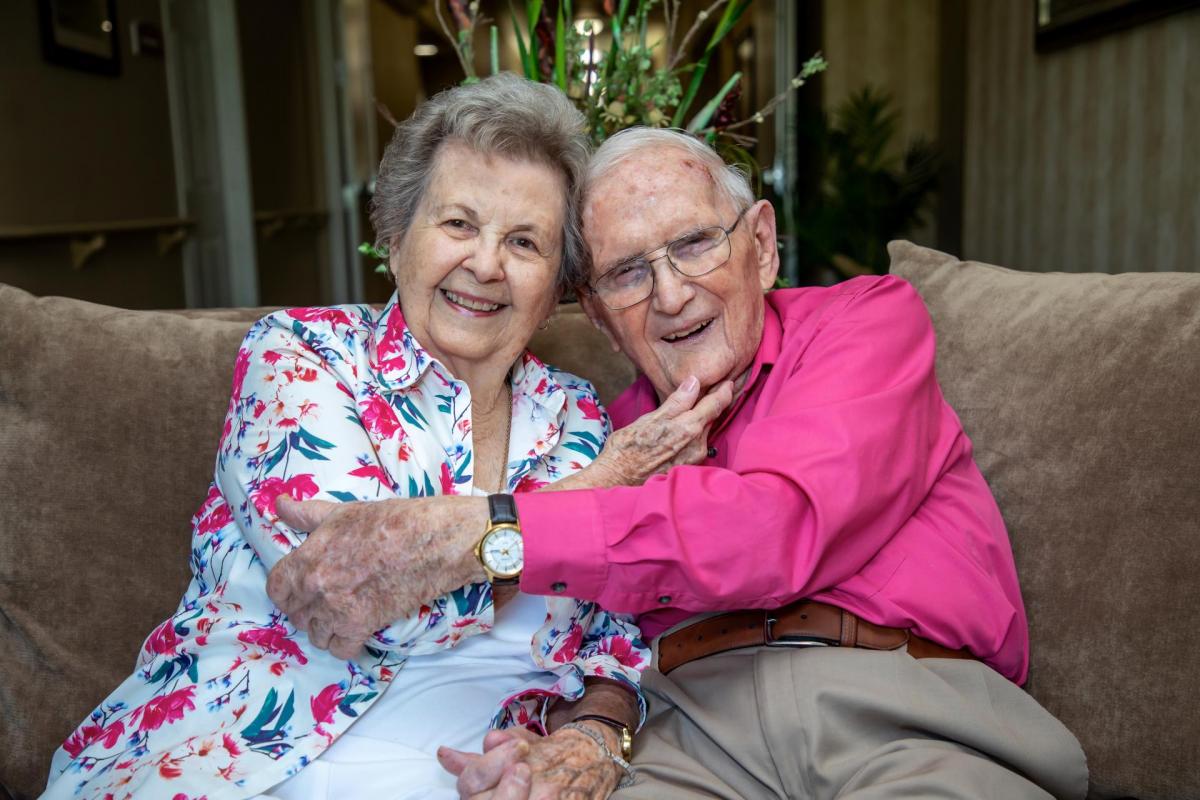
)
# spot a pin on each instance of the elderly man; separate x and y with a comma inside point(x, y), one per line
point(830, 588)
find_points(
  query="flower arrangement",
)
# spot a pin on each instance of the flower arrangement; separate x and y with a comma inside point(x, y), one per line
point(616, 82)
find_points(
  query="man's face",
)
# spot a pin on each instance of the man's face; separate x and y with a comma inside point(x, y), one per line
point(708, 326)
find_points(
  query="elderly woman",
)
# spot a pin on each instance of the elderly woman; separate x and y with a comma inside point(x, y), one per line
point(435, 395)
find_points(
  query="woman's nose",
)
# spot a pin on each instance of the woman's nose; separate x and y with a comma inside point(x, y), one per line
point(487, 261)
point(672, 291)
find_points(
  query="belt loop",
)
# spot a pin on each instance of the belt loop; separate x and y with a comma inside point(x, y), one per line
point(849, 636)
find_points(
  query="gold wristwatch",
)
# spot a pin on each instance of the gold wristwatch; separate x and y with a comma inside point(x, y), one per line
point(501, 549)
point(624, 734)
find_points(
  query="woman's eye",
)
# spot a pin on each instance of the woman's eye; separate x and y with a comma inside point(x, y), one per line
point(459, 225)
point(524, 243)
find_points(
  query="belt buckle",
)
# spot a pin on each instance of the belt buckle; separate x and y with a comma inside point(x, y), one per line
point(790, 641)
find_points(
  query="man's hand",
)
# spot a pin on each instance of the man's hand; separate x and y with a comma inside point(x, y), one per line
point(566, 765)
point(367, 564)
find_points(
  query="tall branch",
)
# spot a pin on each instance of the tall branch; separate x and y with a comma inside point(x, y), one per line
point(437, 7)
point(701, 18)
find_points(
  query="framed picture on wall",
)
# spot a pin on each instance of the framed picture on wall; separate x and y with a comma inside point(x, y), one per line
point(81, 34)
point(1062, 23)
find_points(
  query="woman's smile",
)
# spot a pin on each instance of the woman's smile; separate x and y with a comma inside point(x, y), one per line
point(470, 305)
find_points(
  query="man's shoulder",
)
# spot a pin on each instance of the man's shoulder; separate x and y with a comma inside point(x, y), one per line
point(810, 308)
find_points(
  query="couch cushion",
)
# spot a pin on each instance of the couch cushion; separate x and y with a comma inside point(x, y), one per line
point(109, 422)
point(1082, 395)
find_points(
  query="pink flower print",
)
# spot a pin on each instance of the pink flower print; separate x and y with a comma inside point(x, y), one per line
point(530, 483)
point(324, 704)
point(230, 745)
point(372, 471)
point(391, 344)
point(274, 639)
point(378, 416)
point(333, 316)
point(88, 734)
point(447, 479)
point(298, 487)
point(166, 709)
point(588, 406)
point(163, 641)
point(621, 649)
point(217, 517)
point(570, 645)
point(272, 357)
point(541, 387)
point(240, 367)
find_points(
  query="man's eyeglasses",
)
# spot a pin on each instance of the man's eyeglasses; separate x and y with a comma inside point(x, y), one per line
point(698, 253)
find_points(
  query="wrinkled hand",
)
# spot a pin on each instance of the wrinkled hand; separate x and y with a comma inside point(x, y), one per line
point(367, 564)
point(674, 433)
point(517, 764)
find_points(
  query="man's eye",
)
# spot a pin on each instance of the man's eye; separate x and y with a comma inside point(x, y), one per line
point(629, 274)
point(694, 245)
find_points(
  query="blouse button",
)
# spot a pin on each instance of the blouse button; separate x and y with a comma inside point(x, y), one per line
point(666, 598)
point(559, 587)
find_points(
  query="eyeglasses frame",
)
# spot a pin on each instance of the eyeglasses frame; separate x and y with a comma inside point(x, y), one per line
point(665, 248)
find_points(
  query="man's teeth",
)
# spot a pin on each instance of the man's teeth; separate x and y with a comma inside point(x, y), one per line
point(688, 332)
point(471, 304)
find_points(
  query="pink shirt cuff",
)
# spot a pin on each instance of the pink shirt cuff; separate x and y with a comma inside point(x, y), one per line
point(564, 544)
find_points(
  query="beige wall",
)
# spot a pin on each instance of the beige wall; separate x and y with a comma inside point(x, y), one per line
point(894, 46)
point(78, 147)
point(1084, 159)
point(889, 44)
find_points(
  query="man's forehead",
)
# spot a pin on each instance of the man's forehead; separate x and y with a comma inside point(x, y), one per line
point(650, 196)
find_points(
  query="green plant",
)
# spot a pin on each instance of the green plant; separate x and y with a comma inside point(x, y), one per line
point(616, 83)
point(868, 193)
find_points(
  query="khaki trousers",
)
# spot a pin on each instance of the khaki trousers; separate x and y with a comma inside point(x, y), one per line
point(830, 722)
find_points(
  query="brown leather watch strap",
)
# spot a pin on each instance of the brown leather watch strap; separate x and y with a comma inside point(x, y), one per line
point(805, 623)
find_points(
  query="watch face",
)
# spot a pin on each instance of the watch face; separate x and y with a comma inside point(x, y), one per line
point(503, 552)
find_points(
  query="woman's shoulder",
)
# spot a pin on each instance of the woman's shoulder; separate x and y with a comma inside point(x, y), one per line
point(327, 331)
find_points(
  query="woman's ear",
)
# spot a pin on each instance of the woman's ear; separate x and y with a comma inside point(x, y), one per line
point(595, 311)
point(766, 242)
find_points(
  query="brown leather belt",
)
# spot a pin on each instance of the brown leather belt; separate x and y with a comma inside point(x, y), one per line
point(804, 623)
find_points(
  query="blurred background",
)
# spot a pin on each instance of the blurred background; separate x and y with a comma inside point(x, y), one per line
point(204, 153)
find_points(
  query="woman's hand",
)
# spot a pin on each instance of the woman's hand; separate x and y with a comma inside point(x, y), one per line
point(517, 764)
point(674, 433)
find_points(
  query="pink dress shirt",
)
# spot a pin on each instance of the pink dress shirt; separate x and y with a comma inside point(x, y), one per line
point(841, 475)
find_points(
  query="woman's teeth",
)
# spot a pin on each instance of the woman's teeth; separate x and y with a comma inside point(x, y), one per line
point(474, 305)
point(684, 334)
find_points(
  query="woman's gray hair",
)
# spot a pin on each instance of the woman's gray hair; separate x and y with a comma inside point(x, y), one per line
point(731, 181)
point(503, 115)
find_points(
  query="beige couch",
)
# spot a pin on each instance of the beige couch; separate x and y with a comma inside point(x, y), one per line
point(1081, 393)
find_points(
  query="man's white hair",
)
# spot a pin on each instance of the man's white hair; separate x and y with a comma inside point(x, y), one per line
point(731, 181)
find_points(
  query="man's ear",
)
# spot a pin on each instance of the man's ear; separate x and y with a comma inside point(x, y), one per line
point(595, 311)
point(766, 243)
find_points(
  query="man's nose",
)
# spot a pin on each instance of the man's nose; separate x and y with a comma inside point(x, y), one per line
point(672, 291)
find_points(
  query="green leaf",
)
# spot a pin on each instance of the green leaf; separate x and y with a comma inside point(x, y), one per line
point(315, 442)
point(521, 49)
point(701, 119)
point(560, 49)
point(495, 49)
point(733, 12)
point(345, 497)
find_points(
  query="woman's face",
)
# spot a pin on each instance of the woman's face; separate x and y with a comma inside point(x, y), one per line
point(477, 269)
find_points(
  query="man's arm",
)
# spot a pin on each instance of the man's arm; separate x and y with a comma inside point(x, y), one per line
point(810, 493)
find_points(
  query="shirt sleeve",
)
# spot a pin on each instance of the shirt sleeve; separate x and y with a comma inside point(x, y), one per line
point(294, 427)
point(811, 491)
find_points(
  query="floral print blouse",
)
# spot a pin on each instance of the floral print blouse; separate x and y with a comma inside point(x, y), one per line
point(339, 403)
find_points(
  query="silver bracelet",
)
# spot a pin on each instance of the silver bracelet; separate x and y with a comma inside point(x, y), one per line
point(609, 754)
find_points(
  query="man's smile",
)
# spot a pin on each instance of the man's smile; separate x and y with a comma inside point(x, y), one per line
point(690, 332)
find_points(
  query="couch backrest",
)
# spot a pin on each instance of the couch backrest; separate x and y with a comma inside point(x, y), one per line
point(1081, 394)
point(109, 422)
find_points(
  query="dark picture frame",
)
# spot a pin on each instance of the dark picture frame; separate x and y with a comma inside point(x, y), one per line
point(1062, 23)
point(81, 34)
